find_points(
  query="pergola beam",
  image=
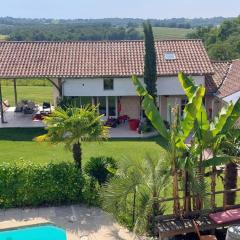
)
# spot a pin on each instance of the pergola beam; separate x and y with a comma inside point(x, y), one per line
point(57, 86)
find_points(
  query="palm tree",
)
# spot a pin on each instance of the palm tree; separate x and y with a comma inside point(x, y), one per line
point(206, 136)
point(72, 126)
point(211, 135)
point(137, 188)
point(173, 140)
point(231, 146)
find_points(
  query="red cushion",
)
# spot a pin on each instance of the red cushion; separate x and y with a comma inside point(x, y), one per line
point(226, 216)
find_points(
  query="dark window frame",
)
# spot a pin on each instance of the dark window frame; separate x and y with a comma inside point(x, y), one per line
point(108, 86)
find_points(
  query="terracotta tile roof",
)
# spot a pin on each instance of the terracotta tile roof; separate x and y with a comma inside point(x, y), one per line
point(213, 82)
point(98, 59)
point(231, 83)
point(226, 79)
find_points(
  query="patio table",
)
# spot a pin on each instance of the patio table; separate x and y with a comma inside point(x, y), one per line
point(233, 233)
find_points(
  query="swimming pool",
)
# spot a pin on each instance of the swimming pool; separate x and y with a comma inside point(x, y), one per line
point(40, 232)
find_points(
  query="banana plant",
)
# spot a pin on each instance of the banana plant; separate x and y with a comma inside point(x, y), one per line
point(174, 140)
point(209, 135)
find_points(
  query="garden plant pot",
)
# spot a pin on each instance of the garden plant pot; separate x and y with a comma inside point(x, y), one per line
point(133, 124)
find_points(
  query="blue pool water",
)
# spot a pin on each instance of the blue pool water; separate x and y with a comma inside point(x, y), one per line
point(43, 232)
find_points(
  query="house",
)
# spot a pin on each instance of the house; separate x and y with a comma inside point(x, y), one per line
point(100, 72)
point(224, 86)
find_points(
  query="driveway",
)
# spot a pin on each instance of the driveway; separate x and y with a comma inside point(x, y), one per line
point(80, 221)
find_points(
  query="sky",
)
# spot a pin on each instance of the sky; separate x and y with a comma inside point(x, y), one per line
point(86, 9)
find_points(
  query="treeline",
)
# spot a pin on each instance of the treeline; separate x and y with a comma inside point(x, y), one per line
point(118, 22)
point(223, 42)
point(69, 32)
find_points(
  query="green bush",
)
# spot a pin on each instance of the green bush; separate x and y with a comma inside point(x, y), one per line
point(101, 168)
point(35, 185)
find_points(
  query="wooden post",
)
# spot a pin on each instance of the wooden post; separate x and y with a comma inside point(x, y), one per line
point(60, 87)
point(15, 91)
point(1, 103)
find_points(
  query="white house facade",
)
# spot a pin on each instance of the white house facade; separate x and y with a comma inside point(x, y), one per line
point(120, 97)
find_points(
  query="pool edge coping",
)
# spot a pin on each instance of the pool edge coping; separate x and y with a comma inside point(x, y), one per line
point(14, 225)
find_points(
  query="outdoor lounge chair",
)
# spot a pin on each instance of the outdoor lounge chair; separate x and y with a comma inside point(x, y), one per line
point(203, 237)
point(46, 107)
point(29, 108)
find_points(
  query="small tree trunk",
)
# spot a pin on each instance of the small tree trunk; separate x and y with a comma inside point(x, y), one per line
point(187, 195)
point(198, 199)
point(77, 155)
point(213, 187)
point(176, 203)
point(230, 182)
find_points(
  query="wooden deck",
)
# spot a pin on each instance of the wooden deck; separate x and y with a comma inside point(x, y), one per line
point(168, 226)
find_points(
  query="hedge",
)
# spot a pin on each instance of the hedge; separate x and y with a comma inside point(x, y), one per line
point(33, 185)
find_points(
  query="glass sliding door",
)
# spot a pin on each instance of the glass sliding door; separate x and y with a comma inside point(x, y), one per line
point(102, 106)
point(112, 103)
point(107, 106)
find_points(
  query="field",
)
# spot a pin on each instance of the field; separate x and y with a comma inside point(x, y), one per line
point(162, 33)
point(17, 144)
point(38, 94)
point(3, 37)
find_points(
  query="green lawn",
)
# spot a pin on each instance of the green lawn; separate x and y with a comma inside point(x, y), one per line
point(38, 94)
point(161, 33)
point(16, 144)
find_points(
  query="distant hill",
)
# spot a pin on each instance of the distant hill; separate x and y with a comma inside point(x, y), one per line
point(119, 22)
point(24, 29)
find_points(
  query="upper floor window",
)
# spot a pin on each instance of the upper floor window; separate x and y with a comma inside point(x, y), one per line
point(169, 56)
point(108, 83)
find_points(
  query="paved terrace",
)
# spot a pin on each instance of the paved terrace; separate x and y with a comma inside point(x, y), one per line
point(21, 120)
point(80, 222)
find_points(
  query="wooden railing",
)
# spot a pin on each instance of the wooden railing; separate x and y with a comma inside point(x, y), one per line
point(224, 206)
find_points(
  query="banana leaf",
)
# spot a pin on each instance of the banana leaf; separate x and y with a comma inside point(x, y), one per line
point(190, 112)
point(221, 119)
point(217, 160)
point(151, 110)
point(202, 125)
point(233, 117)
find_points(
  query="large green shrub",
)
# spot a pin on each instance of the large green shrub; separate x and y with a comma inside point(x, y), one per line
point(35, 185)
point(100, 168)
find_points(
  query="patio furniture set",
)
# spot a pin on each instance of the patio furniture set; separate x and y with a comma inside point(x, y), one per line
point(29, 107)
point(114, 122)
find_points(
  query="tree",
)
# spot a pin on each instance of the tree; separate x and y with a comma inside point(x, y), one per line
point(187, 158)
point(135, 191)
point(211, 135)
point(222, 42)
point(231, 146)
point(150, 68)
point(173, 140)
point(72, 126)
